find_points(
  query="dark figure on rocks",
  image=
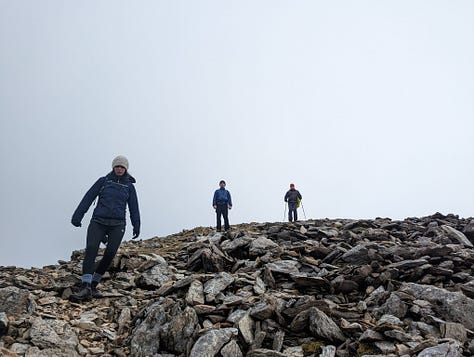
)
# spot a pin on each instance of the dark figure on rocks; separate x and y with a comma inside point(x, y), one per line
point(114, 192)
point(222, 203)
point(293, 197)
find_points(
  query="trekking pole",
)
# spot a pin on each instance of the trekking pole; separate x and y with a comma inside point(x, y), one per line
point(303, 211)
point(284, 213)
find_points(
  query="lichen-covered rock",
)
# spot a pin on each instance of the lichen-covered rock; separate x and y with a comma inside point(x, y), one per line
point(211, 342)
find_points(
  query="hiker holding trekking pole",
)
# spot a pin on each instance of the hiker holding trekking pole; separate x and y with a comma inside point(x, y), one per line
point(293, 197)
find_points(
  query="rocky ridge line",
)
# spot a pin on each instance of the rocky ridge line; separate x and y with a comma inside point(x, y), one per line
point(315, 288)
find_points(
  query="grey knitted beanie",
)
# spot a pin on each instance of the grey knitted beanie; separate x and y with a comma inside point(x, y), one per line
point(120, 161)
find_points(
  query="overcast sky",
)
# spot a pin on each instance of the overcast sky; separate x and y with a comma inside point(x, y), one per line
point(367, 106)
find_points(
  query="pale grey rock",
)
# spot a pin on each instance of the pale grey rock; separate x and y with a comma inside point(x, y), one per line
point(236, 315)
point(110, 334)
point(209, 344)
point(259, 286)
point(427, 330)
point(296, 351)
point(124, 319)
point(229, 246)
point(52, 334)
point(154, 258)
point(450, 306)
point(50, 352)
point(328, 351)
point(19, 348)
point(3, 322)
point(376, 296)
point(278, 340)
point(183, 282)
point(393, 306)
point(370, 335)
point(246, 327)
point(456, 235)
point(195, 295)
point(95, 351)
point(407, 264)
point(155, 277)
point(389, 320)
point(386, 347)
point(442, 350)
point(231, 349)
point(284, 266)
point(15, 301)
point(453, 330)
point(215, 286)
point(146, 337)
point(261, 246)
point(204, 309)
point(233, 300)
point(263, 352)
point(178, 334)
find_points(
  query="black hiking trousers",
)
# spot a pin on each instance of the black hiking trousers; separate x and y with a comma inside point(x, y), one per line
point(292, 211)
point(96, 233)
point(224, 211)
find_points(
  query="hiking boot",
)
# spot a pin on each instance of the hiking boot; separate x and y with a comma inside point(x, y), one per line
point(95, 293)
point(84, 294)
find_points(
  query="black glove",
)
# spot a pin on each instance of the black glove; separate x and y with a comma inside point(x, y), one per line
point(136, 233)
point(76, 223)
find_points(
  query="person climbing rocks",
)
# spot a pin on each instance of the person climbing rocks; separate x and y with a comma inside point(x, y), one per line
point(114, 191)
point(293, 197)
point(222, 203)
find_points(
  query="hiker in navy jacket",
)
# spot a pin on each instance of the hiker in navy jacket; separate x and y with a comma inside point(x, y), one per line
point(292, 197)
point(114, 191)
point(222, 203)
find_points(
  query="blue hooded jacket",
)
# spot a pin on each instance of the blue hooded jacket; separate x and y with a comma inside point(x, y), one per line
point(222, 197)
point(114, 193)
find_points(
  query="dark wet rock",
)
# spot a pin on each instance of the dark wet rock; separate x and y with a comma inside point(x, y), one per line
point(469, 230)
point(358, 255)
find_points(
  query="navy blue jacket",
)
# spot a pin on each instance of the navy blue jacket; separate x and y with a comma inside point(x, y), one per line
point(114, 193)
point(292, 196)
point(222, 198)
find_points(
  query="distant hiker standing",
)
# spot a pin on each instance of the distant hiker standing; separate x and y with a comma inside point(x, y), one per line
point(293, 197)
point(114, 192)
point(222, 202)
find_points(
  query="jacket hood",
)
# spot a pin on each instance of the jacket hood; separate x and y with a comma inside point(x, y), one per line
point(125, 178)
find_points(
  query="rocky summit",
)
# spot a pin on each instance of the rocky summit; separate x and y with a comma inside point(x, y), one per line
point(328, 287)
